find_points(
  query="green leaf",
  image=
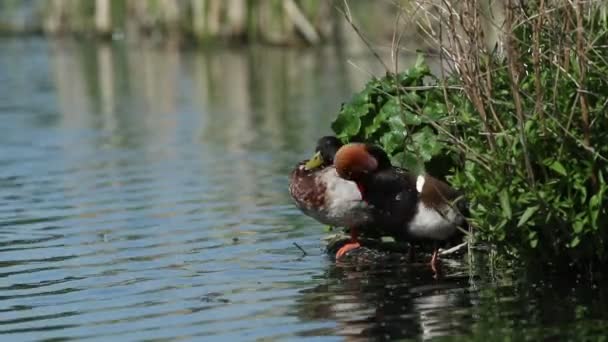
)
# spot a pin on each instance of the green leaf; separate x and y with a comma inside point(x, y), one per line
point(558, 167)
point(503, 196)
point(413, 164)
point(533, 239)
point(412, 119)
point(411, 98)
point(392, 141)
point(596, 200)
point(390, 108)
point(420, 69)
point(575, 242)
point(396, 123)
point(419, 60)
point(526, 215)
point(387, 118)
point(578, 225)
point(435, 110)
point(346, 127)
point(533, 243)
point(387, 239)
point(425, 136)
point(377, 123)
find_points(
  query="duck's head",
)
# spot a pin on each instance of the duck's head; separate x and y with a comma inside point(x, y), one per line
point(357, 161)
point(324, 153)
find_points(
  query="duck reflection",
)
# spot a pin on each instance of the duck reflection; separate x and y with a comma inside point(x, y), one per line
point(389, 300)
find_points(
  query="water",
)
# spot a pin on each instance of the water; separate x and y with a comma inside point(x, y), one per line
point(143, 197)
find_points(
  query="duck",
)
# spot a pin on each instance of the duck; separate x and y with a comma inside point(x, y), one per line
point(319, 192)
point(411, 207)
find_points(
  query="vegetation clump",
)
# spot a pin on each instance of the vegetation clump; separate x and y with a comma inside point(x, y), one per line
point(522, 128)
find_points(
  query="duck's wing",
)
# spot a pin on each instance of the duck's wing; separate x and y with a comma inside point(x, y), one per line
point(436, 192)
point(447, 200)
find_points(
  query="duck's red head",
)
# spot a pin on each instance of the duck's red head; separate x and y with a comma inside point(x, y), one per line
point(354, 161)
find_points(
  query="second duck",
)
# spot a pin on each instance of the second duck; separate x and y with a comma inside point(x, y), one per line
point(409, 207)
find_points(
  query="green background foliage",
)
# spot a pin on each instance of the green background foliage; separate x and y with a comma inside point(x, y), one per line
point(553, 211)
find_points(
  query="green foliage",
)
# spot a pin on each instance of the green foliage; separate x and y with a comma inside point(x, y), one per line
point(399, 112)
point(536, 179)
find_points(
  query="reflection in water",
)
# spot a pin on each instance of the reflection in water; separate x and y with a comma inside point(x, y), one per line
point(143, 195)
point(389, 301)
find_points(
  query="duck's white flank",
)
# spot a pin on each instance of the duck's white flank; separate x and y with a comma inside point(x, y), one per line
point(429, 223)
point(343, 205)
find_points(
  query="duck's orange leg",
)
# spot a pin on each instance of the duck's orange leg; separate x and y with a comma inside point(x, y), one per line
point(435, 260)
point(353, 244)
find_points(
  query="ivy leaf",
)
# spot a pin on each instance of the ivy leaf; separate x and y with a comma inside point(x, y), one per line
point(435, 110)
point(396, 123)
point(346, 127)
point(427, 143)
point(412, 119)
point(392, 141)
point(390, 108)
point(411, 98)
point(377, 123)
point(420, 68)
point(388, 114)
point(410, 162)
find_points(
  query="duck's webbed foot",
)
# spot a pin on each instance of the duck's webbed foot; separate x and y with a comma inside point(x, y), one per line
point(347, 248)
point(353, 244)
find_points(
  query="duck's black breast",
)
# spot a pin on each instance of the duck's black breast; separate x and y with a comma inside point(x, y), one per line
point(392, 193)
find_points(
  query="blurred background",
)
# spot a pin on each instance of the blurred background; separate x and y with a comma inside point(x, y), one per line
point(267, 63)
point(274, 22)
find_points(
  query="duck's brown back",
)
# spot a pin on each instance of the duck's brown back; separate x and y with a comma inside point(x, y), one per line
point(304, 189)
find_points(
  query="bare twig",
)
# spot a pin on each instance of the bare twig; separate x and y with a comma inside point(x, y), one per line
point(454, 249)
point(514, 73)
point(582, 65)
point(348, 16)
point(396, 41)
point(536, 60)
point(467, 49)
point(300, 248)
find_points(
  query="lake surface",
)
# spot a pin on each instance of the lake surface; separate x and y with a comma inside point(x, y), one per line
point(143, 196)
